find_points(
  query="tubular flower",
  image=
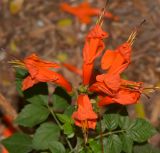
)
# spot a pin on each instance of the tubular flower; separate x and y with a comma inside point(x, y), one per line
point(85, 117)
point(123, 97)
point(92, 49)
point(107, 84)
point(117, 61)
point(84, 12)
point(116, 90)
point(40, 71)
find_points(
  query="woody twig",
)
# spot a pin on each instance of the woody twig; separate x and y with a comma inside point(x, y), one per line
point(7, 107)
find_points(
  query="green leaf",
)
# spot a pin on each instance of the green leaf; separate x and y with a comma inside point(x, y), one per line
point(95, 146)
point(20, 75)
point(68, 130)
point(140, 130)
point(124, 122)
point(65, 119)
point(18, 143)
point(56, 147)
point(127, 143)
point(113, 144)
point(85, 150)
point(111, 121)
point(32, 115)
point(38, 94)
point(101, 126)
point(67, 127)
point(45, 135)
point(69, 110)
point(145, 148)
point(60, 99)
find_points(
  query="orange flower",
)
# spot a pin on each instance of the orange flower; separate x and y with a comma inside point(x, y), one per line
point(123, 97)
point(40, 71)
point(92, 49)
point(117, 61)
point(84, 12)
point(85, 117)
point(116, 90)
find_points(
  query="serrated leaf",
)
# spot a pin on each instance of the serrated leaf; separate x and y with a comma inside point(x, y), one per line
point(45, 134)
point(65, 119)
point(67, 126)
point(100, 126)
point(32, 115)
point(113, 144)
point(140, 130)
point(127, 143)
point(124, 122)
point(38, 94)
point(68, 130)
point(56, 147)
point(145, 148)
point(60, 99)
point(18, 143)
point(95, 146)
point(111, 121)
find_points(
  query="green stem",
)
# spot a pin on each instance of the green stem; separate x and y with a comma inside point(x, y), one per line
point(69, 144)
point(109, 133)
point(54, 116)
point(60, 126)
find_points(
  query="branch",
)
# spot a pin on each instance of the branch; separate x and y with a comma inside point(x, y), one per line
point(7, 107)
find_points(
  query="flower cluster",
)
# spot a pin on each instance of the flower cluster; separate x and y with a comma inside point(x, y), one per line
point(108, 87)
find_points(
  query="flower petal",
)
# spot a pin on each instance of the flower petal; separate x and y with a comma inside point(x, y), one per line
point(28, 82)
point(105, 101)
point(107, 59)
point(126, 97)
point(84, 112)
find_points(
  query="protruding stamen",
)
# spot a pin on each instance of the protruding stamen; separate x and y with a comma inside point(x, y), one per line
point(134, 33)
point(101, 16)
point(153, 88)
point(17, 63)
point(85, 130)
